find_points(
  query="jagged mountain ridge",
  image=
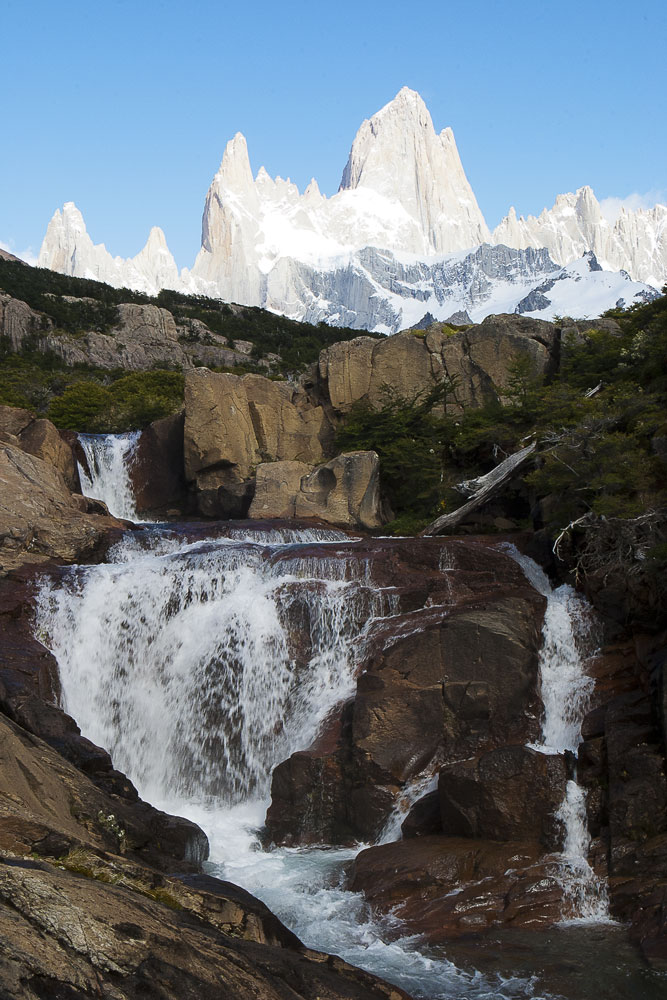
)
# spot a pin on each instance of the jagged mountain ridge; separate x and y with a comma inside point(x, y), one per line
point(403, 196)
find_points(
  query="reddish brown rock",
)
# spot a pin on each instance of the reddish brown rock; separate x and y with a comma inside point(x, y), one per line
point(424, 818)
point(444, 887)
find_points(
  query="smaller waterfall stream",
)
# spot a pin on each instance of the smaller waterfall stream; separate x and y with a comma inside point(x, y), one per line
point(108, 458)
point(566, 689)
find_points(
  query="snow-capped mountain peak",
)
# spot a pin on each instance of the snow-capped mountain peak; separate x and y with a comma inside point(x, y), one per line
point(398, 229)
point(398, 154)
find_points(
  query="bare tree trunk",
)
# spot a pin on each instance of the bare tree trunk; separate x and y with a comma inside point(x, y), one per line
point(489, 485)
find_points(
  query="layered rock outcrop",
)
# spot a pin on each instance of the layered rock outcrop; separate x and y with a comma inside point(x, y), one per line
point(234, 424)
point(478, 360)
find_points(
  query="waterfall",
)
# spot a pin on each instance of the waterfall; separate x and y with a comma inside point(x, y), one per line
point(566, 689)
point(108, 457)
point(414, 790)
point(199, 665)
point(202, 663)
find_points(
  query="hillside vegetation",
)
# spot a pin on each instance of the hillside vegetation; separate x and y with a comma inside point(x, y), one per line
point(601, 424)
point(84, 397)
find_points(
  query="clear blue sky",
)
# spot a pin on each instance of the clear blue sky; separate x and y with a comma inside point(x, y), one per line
point(125, 106)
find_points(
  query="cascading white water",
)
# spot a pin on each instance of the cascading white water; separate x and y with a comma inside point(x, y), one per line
point(108, 457)
point(180, 660)
point(199, 665)
point(414, 790)
point(566, 690)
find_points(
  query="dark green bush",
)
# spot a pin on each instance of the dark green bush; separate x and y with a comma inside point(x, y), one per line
point(130, 402)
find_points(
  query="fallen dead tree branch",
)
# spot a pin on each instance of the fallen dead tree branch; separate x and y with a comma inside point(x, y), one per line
point(486, 487)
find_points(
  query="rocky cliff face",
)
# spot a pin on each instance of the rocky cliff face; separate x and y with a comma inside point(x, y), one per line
point(478, 359)
point(144, 337)
point(251, 443)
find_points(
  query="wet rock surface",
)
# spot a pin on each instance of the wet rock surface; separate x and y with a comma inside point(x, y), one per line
point(445, 887)
point(510, 793)
point(157, 470)
point(455, 672)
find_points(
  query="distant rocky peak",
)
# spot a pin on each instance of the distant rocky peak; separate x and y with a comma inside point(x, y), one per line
point(234, 172)
point(384, 139)
point(398, 154)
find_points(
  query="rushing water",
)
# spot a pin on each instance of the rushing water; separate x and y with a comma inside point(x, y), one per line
point(566, 688)
point(201, 663)
point(107, 477)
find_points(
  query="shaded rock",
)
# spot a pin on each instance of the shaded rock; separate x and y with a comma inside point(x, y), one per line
point(14, 419)
point(481, 358)
point(510, 793)
point(157, 471)
point(459, 318)
point(42, 440)
point(313, 785)
point(45, 800)
point(451, 676)
point(220, 494)
point(424, 817)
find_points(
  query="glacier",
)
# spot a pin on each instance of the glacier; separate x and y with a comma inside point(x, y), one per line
point(402, 237)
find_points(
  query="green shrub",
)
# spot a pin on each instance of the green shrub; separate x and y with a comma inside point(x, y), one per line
point(83, 405)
